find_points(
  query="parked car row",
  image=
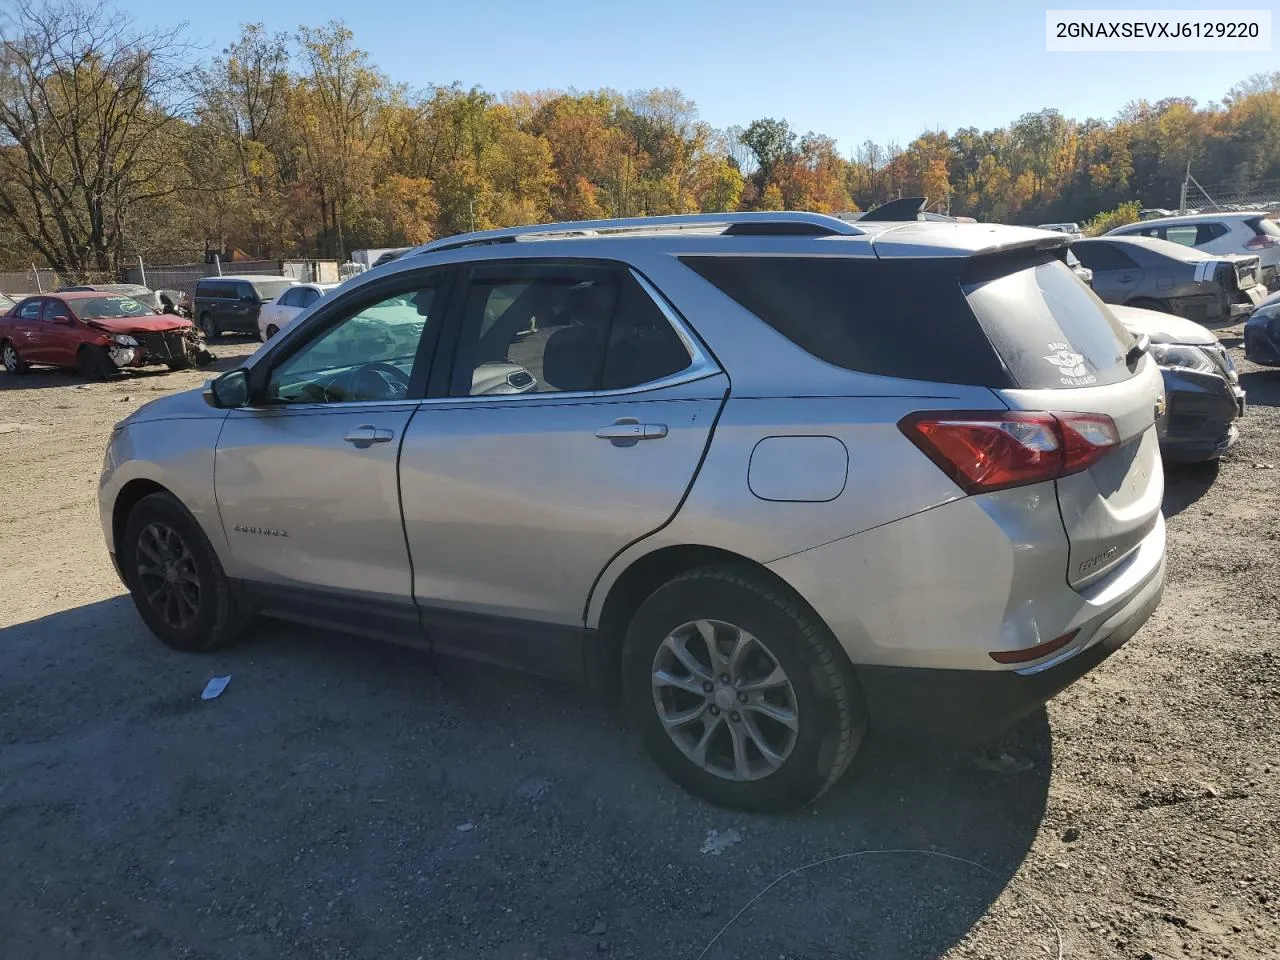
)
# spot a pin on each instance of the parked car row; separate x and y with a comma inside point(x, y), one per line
point(1247, 233)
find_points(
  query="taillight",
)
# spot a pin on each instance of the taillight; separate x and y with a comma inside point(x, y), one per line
point(1261, 242)
point(985, 450)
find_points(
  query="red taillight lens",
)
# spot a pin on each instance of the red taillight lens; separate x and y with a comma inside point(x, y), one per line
point(988, 450)
point(1261, 242)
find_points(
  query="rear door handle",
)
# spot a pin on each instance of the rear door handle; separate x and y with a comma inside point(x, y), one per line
point(366, 435)
point(629, 430)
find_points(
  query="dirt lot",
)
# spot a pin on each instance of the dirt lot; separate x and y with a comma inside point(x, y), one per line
point(344, 799)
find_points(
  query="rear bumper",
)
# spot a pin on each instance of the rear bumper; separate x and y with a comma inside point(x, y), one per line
point(972, 705)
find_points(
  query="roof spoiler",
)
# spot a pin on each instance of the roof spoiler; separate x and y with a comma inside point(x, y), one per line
point(904, 208)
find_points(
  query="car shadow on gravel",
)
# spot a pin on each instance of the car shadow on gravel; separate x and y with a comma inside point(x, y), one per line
point(348, 798)
point(1185, 483)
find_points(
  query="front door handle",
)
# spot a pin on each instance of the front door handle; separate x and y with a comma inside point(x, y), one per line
point(628, 431)
point(366, 435)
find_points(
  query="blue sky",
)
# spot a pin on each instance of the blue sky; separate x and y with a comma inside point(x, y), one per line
point(852, 69)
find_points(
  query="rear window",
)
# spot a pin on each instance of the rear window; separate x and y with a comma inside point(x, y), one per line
point(270, 289)
point(895, 318)
point(1103, 256)
point(1021, 320)
point(1049, 329)
point(1264, 227)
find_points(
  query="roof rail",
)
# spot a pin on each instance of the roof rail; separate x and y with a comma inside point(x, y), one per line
point(781, 223)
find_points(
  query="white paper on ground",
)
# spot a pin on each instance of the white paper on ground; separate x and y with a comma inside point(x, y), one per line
point(214, 687)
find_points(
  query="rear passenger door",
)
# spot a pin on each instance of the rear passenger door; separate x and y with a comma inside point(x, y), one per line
point(575, 417)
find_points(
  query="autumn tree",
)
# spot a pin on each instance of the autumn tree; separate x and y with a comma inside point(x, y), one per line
point(89, 129)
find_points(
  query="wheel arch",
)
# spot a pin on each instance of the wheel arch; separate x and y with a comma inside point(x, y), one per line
point(128, 498)
point(638, 581)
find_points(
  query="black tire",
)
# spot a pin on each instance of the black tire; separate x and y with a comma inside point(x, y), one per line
point(829, 711)
point(186, 363)
point(93, 363)
point(212, 616)
point(10, 360)
point(272, 330)
point(209, 326)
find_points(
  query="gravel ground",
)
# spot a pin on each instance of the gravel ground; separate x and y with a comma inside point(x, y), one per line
point(344, 799)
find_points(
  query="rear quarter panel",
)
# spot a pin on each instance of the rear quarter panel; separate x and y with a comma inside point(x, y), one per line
point(887, 477)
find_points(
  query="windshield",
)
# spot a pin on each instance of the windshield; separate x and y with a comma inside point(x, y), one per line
point(105, 308)
point(270, 289)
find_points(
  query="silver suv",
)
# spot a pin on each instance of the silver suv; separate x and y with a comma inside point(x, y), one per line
point(775, 478)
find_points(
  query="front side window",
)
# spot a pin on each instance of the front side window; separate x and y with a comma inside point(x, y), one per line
point(553, 328)
point(305, 297)
point(30, 309)
point(370, 354)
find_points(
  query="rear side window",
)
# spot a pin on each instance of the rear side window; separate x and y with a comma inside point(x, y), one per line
point(30, 309)
point(895, 318)
point(1103, 256)
point(1186, 234)
point(1049, 329)
point(214, 290)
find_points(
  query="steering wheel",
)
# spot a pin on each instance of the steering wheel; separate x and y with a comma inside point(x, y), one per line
point(376, 380)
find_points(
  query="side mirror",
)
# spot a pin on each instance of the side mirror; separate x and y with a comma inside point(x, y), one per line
point(227, 391)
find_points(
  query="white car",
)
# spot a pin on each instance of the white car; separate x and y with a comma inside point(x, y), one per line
point(281, 311)
point(1248, 232)
point(1072, 230)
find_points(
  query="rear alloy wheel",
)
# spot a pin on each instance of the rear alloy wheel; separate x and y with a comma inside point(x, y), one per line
point(177, 583)
point(12, 362)
point(741, 693)
point(724, 700)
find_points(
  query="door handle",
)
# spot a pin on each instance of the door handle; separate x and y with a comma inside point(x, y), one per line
point(366, 435)
point(1127, 279)
point(629, 431)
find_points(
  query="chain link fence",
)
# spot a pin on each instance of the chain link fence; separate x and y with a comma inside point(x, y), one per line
point(161, 276)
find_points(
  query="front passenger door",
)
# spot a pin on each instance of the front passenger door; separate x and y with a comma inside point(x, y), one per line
point(306, 476)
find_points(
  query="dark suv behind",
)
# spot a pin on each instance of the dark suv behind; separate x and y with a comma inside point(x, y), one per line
point(225, 304)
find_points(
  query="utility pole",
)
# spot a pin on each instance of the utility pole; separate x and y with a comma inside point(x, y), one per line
point(1182, 200)
point(142, 272)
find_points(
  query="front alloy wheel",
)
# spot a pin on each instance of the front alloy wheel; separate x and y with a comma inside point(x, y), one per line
point(168, 576)
point(725, 700)
point(9, 357)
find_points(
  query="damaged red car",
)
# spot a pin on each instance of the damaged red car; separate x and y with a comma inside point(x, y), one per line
point(97, 334)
